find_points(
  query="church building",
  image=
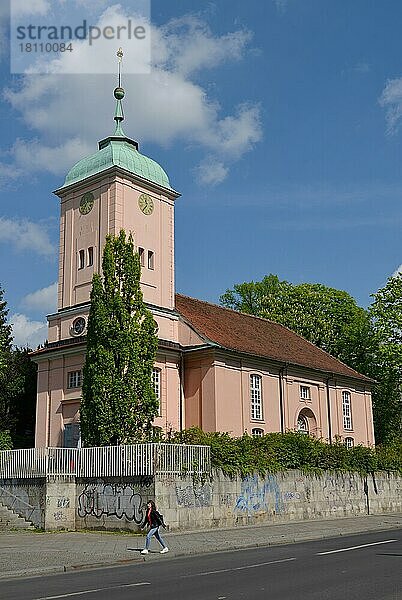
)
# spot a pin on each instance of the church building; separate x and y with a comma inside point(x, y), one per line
point(215, 368)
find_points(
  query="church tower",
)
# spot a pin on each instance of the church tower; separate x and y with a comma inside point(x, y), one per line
point(115, 188)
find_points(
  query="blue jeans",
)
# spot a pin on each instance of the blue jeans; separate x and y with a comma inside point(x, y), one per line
point(154, 531)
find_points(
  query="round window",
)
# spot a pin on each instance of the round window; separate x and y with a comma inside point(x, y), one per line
point(78, 326)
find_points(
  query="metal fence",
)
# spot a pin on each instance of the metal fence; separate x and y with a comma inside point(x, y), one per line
point(112, 461)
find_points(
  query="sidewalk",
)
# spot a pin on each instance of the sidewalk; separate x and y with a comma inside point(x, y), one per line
point(30, 553)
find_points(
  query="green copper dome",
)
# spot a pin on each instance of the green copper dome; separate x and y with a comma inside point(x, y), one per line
point(118, 151)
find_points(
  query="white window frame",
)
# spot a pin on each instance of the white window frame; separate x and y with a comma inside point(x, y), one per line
point(74, 379)
point(157, 381)
point(347, 410)
point(141, 254)
point(256, 397)
point(305, 393)
point(257, 432)
point(151, 260)
point(349, 442)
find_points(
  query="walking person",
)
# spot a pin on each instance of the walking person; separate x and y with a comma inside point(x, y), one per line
point(153, 520)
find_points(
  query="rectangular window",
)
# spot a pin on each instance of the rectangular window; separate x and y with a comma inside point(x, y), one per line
point(349, 442)
point(305, 392)
point(256, 397)
point(72, 435)
point(141, 254)
point(151, 259)
point(347, 411)
point(74, 379)
point(156, 380)
point(81, 259)
point(90, 256)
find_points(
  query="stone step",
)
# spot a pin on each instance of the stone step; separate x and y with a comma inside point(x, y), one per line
point(10, 520)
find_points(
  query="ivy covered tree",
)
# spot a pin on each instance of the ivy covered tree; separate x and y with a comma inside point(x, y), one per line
point(327, 317)
point(386, 313)
point(119, 402)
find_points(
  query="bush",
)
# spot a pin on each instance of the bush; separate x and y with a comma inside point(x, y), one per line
point(275, 452)
point(5, 440)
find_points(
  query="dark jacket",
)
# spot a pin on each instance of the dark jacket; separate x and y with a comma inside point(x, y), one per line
point(155, 519)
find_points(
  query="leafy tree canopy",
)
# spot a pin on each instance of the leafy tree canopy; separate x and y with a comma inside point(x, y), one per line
point(119, 403)
point(327, 317)
point(386, 314)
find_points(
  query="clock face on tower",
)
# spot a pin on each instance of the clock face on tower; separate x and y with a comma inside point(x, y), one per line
point(146, 204)
point(86, 203)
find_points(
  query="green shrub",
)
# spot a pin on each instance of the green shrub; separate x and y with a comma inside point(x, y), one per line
point(5, 440)
point(275, 452)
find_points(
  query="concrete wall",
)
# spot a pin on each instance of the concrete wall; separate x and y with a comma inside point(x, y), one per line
point(222, 502)
point(113, 504)
point(275, 498)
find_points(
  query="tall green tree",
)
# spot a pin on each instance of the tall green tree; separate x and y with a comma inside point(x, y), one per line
point(7, 417)
point(17, 387)
point(386, 313)
point(327, 317)
point(119, 403)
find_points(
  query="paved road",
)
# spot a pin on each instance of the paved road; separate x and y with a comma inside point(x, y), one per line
point(367, 566)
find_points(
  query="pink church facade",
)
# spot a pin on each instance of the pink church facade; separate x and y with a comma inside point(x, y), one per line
point(215, 368)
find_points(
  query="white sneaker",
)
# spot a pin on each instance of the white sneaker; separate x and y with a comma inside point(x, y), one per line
point(165, 549)
point(145, 551)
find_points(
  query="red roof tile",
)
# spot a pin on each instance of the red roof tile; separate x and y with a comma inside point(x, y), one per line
point(253, 335)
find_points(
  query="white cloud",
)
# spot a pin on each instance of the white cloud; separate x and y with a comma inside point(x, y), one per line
point(32, 156)
point(26, 235)
point(165, 106)
point(391, 100)
point(398, 271)
point(211, 172)
point(44, 299)
point(21, 8)
point(26, 332)
point(187, 45)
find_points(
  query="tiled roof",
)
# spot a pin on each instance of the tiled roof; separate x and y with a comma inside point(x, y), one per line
point(253, 335)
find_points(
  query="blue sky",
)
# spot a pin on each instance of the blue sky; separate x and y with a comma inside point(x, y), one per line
point(278, 121)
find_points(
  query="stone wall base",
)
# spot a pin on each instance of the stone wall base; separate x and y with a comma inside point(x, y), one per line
point(188, 503)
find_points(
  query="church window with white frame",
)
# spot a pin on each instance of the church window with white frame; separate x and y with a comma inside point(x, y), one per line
point(305, 392)
point(156, 380)
point(74, 379)
point(257, 432)
point(346, 410)
point(256, 397)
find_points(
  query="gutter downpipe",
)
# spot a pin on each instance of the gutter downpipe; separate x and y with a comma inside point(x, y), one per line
point(181, 376)
point(281, 372)
point(329, 410)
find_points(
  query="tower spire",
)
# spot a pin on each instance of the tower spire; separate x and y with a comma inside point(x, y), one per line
point(119, 94)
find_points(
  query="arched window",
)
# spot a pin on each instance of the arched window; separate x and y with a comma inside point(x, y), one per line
point(256, 397)
point(302, 424)
point(257, 432)
point(347, 410)
point(349, 442)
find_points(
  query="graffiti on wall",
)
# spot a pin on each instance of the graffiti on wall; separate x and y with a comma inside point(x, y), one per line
point(112, 500)
point(259, 495)
point(193, 496)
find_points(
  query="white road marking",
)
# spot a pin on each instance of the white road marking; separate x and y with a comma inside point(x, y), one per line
point(355, 547)
point(123, 585)
point(272, 562)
